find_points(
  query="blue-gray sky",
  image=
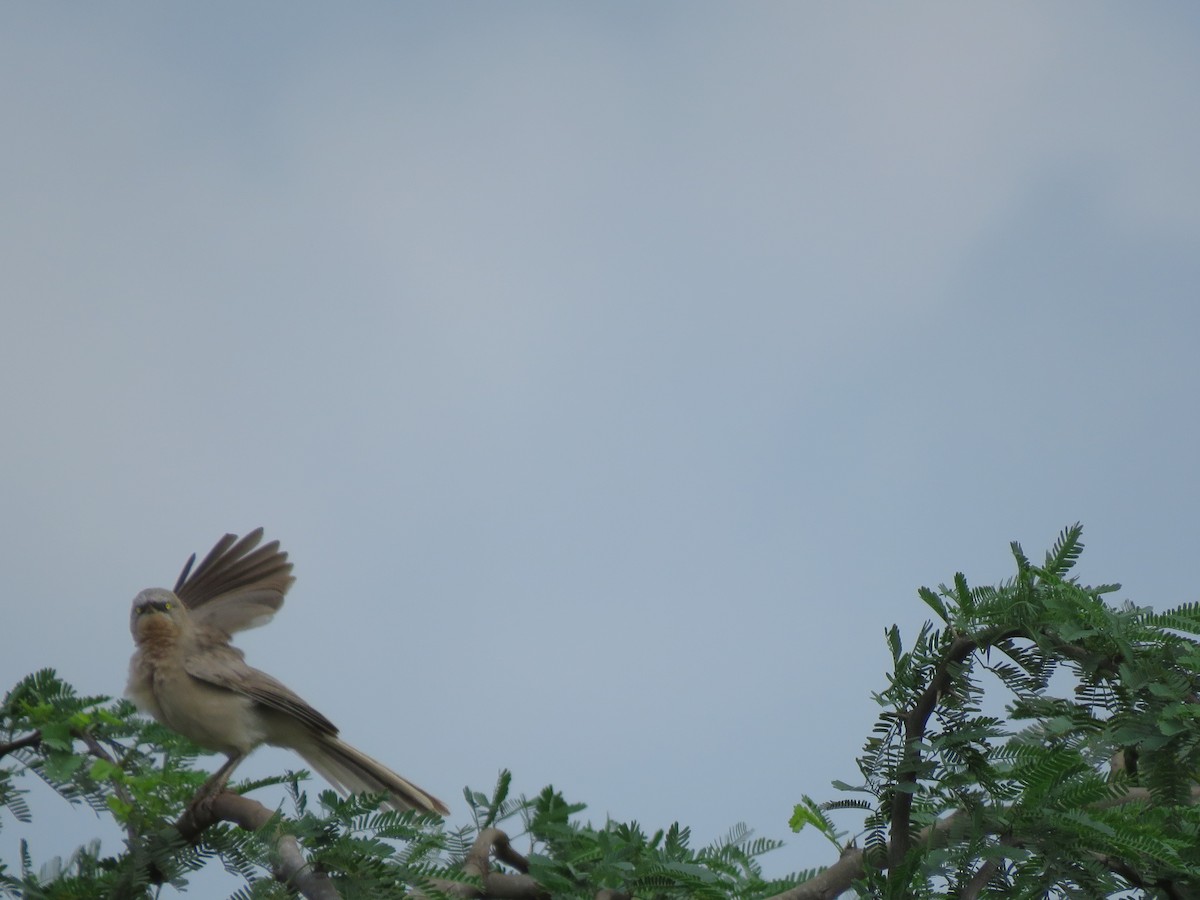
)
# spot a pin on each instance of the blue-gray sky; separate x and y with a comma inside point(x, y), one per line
point(614, 373)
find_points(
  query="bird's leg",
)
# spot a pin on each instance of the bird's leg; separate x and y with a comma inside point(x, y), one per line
point(217, 781)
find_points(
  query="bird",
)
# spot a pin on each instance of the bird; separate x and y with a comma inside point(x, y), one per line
point(186, 675)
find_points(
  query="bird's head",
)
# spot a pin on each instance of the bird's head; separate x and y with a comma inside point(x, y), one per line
point(157, 613)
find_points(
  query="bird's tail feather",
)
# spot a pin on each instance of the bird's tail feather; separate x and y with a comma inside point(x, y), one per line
point(352, 771)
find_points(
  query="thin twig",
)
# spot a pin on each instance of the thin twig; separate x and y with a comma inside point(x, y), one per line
point(97, 750)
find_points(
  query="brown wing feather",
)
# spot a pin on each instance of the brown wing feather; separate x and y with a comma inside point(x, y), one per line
point(236, 586)
point(220, 547)
point(224, 667)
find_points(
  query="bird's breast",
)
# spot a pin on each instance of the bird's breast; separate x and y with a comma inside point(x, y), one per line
point(209, 715)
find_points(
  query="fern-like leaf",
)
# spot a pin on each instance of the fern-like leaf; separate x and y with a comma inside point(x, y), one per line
point(1061, 558)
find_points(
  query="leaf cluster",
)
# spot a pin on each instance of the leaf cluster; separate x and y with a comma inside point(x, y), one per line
point(1083, 785)
point(1035, 740)
point(575, 860)
point(97, 753)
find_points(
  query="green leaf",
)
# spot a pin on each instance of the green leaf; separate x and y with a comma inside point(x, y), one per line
point(57, 735)
point(1065, 552)
point(934, 602)
point(103, 770)
point(62, 766)
point(966, 602)
point(119, 807)
point(893, 638)
point(854, 788)
point(1163, 690)
point(807, 812)
point(1060, 725)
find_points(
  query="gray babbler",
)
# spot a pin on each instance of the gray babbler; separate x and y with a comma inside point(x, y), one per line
point(187, 676)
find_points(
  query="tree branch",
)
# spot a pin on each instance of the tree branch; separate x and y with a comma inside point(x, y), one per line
point(30, 740)
point(289, 865)
point(980, 880)
point(832, 882)
point(852, 865)
point(489, 842)
point(916, 721)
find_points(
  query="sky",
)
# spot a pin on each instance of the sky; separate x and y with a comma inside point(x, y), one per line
point(613, 373)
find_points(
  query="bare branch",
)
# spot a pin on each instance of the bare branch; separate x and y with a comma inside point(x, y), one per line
point(831, 883)
point(506, 853)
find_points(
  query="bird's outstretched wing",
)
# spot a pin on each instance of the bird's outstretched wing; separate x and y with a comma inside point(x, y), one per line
point(236, 586)
point(223, 666)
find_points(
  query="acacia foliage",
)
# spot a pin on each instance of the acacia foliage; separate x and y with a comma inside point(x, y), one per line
point(1082, 783)
point(1036, 740)
point(97, 753)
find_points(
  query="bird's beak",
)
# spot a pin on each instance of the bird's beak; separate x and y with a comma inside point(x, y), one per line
point(153, 606)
